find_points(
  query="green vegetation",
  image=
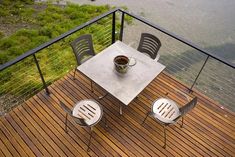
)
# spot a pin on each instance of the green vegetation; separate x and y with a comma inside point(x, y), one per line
point(26, 25)
point(38, 23)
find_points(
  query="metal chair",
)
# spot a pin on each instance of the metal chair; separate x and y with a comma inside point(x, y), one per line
point(83, 50)
point(167, 112)
point(86, 113)
point(149, 44)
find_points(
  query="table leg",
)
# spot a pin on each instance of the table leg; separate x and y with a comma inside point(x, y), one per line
point(120, 110)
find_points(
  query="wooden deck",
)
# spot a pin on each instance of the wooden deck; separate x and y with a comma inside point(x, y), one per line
point(36, 127)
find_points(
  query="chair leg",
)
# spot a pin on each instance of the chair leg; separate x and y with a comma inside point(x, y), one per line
point(145, 117)
point(66, 120)
point(74, 73)
point(120, 109)
point(88, 146)
point(182, 122)
point(164, 137)
point(105, 121)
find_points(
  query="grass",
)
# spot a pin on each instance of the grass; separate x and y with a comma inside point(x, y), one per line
point(27, 25)
point(48, 21)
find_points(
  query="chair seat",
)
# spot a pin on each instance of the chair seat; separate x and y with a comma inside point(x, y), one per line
point(165, 110)
point(90, 110)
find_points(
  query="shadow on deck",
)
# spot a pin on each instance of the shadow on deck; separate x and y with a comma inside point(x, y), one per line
point(35, 128)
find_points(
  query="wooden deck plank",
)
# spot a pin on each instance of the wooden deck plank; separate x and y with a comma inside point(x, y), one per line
point(114, 147)
point(59, 115)
point(106, 142)
point(153, 130)
point(141, 112)
point(196, 110)
point(188, 133)
point(58, 129)
point(136, 126)
point(81, 98)
point(58, 123)
point(4, 149)
point(37, 126)
point(23, 135)
point(16, 137)
point(118, 117)
point(209, 126)
point(206, 128)
point(49, 136)
point(209, 104)
point(72, 94)
point(142, 119)
point(173, 133)
point(8, 144)
point(34, 135)
point(85, 133)
point(1, 153)
point(150, 149)
point(51, 130)
point(222, 122)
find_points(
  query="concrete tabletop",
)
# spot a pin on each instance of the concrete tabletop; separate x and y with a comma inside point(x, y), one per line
point(125, 87)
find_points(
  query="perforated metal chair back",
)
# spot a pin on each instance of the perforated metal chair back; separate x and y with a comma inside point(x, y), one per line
point(79, 121)
point(149, 44)
point(188, 107)
point(83, 48)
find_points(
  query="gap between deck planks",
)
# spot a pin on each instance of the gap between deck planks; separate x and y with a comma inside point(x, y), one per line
point(36, 128)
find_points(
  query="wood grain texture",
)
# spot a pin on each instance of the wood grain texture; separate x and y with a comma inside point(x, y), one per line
point(36, 128)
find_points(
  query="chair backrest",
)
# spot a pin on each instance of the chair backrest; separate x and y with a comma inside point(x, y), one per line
point(79, 121)
point(149, 44)
point(188, 107)
point(83, 47)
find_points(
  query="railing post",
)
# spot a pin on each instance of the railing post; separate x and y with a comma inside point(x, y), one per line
point(40, 72)
point(190, 90)
point(122, 26)
point(113, 28)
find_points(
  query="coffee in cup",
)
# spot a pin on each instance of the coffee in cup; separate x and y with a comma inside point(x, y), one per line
point(121, 63)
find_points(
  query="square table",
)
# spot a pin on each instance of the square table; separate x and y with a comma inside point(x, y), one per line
point(125, 87)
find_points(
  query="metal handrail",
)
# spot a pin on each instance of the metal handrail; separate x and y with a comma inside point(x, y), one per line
point(113, 33)
point(181, 39)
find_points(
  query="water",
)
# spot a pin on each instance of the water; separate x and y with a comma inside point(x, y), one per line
point(208, 23)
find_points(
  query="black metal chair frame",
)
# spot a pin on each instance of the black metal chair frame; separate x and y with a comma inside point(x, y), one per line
point(79, 121)
point(149, 44)
point(183, 111)
point(83, 50)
